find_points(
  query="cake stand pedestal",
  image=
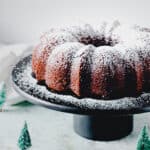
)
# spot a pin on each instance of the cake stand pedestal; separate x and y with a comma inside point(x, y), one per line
point(103, 127)
point(93, 119)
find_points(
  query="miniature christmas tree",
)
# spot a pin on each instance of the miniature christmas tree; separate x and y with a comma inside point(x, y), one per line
point(24, 141)
point(144, 141)
point(2, 93)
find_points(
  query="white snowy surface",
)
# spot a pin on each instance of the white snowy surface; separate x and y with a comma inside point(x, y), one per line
point(50, 130)
point(9, 55)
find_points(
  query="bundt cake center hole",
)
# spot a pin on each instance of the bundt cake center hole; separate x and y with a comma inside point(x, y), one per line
point(98, 41)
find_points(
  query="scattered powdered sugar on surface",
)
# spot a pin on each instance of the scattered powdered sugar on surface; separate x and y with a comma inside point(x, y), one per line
point(21, 76)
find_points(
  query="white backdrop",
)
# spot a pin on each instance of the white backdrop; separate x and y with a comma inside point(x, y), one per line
point(22, 21)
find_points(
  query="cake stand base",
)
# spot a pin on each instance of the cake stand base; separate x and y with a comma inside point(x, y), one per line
point(103, 128)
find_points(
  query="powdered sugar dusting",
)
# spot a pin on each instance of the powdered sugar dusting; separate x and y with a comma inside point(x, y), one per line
point(122, 36)
point(23, 79)
point(69, 47)
point(57, 37)
point(52, 39)
point(80, 31)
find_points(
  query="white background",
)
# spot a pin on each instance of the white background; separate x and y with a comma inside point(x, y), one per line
point(24, 20)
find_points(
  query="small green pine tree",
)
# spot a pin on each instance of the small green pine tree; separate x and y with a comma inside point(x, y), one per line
point(2, 93)
point(24, 141)
point(144, 141)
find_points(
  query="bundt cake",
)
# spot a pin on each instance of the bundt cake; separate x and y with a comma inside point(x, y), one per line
point(105, 62)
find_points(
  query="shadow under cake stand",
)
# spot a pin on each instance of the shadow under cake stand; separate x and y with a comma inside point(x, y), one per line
point(93, 119)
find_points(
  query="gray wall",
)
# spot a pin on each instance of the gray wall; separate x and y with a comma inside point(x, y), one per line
point(24, 20)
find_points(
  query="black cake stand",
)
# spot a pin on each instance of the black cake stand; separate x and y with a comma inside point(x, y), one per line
point(93, 119)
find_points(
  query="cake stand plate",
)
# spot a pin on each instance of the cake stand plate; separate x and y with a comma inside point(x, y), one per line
point(94, 119)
